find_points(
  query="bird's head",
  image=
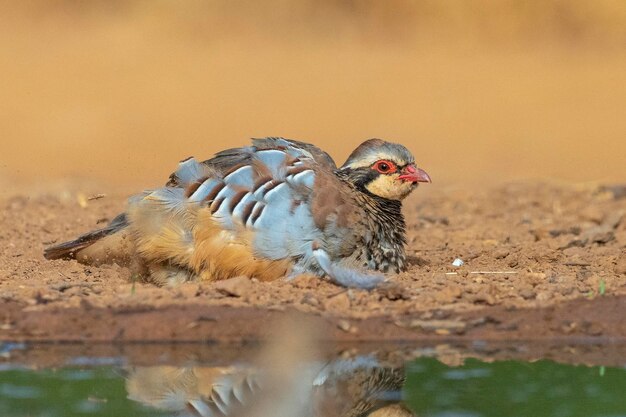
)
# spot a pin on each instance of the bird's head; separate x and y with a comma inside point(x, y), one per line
point(383, 169)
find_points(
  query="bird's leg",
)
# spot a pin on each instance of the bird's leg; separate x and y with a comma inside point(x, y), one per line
point(343, 276)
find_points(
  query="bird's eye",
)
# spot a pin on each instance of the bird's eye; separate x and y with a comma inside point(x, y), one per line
point(384, 167)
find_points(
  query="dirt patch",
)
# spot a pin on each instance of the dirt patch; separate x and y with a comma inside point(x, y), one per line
point(541, 261)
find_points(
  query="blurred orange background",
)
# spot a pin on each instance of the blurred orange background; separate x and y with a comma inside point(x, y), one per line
point(485, 91)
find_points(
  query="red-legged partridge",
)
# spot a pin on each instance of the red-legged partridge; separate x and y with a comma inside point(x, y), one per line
point(277, 208)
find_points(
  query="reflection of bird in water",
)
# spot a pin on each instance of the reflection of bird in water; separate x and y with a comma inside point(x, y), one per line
point(290, 381)
point(202, 391)
point(344, 388)
point(352, 388)
point(277, 208)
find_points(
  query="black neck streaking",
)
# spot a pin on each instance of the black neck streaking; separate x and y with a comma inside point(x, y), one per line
point(385, 245)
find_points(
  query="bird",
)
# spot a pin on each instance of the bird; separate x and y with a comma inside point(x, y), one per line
point(276, 208)
point(351, 387)
point(291, 374)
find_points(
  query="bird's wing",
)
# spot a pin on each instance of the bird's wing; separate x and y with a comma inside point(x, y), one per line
point(257, 197)
point(223, 161)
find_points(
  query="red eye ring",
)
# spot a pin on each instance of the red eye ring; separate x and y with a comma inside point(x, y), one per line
point(385, 167)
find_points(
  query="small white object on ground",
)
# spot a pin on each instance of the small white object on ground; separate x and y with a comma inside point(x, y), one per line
point(458, 262)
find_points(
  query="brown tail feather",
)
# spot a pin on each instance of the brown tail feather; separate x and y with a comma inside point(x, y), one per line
point(70, 250)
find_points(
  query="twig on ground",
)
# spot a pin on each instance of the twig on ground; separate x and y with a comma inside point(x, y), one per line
point(96, 197)
point(485, 272)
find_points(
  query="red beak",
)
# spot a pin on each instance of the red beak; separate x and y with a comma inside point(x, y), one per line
point(413, 174)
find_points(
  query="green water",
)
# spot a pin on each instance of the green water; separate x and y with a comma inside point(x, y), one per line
point(505, 388)
point(511, 388)
point(73, 391)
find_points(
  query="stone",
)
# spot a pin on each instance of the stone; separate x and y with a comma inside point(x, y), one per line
point(234, 287)
point(310, 299)
point(340, 302)
point(534, 278)
point(593, 214)
point(613, 219)
point(438, 326)
point(346, 326)
point(393, 291)
point(598, 234)
point(501, 253)
point(512, 261)
point(577, 260)
point(543, 296)
point(484, 297)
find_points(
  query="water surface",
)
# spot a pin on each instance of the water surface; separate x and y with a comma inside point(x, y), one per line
point(345, 385)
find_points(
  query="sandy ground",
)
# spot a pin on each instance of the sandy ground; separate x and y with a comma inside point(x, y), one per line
point(551, 258)
point(111, 94)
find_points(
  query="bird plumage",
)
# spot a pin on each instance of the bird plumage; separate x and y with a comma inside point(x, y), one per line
point(279, 207)
point(354, 387)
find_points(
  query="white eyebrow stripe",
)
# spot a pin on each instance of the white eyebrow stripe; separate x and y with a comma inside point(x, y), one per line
point(370, 160)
